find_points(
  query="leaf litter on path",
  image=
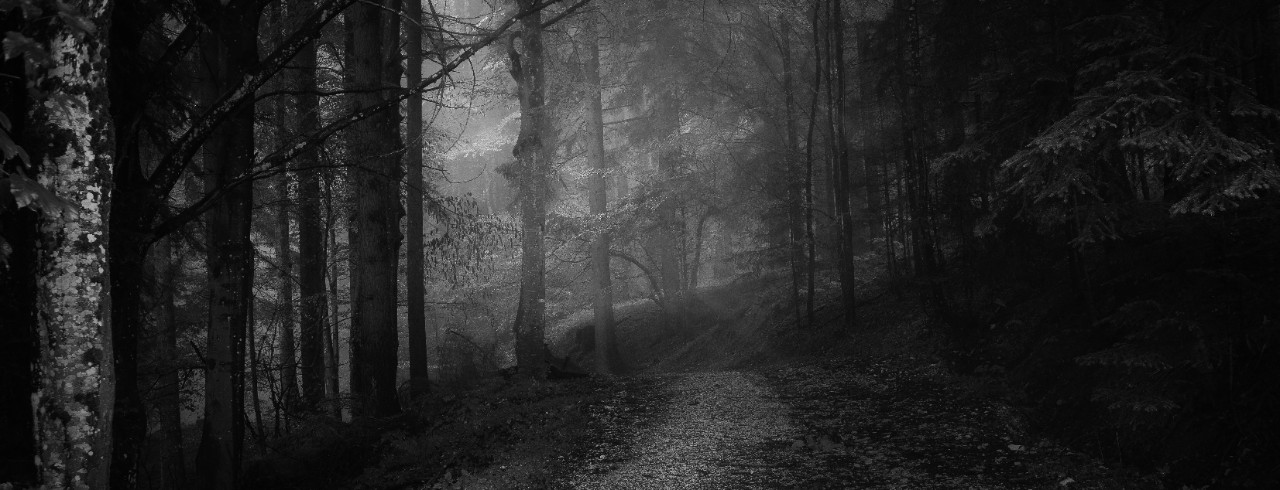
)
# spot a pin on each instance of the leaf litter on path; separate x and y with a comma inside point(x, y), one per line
point(834, 424)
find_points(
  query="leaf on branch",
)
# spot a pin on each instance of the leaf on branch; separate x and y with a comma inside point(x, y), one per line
point(15, 45)
point(74, 19)
point(11, 149)
point(29, 193)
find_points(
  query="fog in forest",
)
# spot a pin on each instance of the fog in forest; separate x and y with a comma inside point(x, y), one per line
point(639, 244)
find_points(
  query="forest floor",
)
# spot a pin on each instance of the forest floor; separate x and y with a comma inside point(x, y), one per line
point(740, 399)
point(842, 423)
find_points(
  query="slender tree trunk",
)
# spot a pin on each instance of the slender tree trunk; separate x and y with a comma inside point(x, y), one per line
point(73, 141)
point(794, 175)
point(284, 252)
point(606, 345)
point(169, 400)
point(842, 183)
point(284, 248)
point(311, 238)
point(376, 178)
point(810, 236)
point(532, 153)
point(230, 51)
point(867, 119)
point(255, 386)
point(416, 320)
point(697, 247)
point(914, 135)
point(332, 340)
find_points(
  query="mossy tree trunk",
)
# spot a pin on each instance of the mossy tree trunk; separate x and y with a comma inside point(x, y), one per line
point(70, 136)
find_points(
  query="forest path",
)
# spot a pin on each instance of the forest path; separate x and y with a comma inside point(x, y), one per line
point(704, 437)
point(822, 425)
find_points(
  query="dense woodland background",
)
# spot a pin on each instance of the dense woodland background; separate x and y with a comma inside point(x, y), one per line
point(229, 220)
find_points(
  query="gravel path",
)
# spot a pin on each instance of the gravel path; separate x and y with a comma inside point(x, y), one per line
point(831, 425)
point(696, 440)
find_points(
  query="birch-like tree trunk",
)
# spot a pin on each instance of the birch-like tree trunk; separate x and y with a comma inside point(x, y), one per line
point(72, 138)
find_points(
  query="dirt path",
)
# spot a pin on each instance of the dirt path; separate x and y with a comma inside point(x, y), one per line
point(828, 425)
point(700, 439)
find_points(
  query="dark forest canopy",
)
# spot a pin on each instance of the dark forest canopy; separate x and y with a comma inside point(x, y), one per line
point(227, 220)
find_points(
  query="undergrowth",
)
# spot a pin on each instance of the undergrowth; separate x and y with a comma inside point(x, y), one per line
point(440, 441)
point(1157, 351)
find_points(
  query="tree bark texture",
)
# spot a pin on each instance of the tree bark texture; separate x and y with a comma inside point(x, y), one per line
point(533, 157)
point(71, 136)
point(374, 144)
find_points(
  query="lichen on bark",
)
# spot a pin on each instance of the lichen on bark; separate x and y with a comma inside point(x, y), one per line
point(72, 137)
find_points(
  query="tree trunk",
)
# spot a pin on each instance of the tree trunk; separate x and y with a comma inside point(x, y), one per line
point(284, 248)
point(332, 341)
point(311, 239)
point(842, 184)
point(376, 178)
point(73, 141)
point(869, 122)
point(671, 230)
point(255, 393)
point(230, 51)
point(606, 345)
point(284, 252)
point(793, 172)
point(132, 204)
point(810, 236)
point(169, 400)
point(533, 158)
point(414, 275)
